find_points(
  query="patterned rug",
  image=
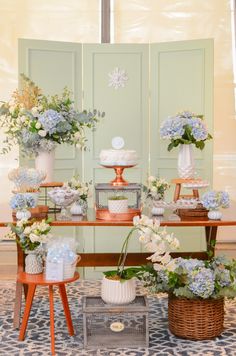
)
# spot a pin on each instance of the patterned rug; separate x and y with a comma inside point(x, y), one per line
point(162, 342)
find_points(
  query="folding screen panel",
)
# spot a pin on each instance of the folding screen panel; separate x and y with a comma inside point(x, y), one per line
point(154, 82)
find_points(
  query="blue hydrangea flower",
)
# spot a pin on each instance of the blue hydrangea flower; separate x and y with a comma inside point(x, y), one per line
point(18, 201)
point(215, 199)
point(202, 283)
point(199, 130)
point(49, 120)
point(189, 265)
point(172, 128)
point(222, 276)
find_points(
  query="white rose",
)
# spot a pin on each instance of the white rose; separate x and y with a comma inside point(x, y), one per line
point(33, 237)
point(38, 125)
point(42, 133)
point(34, 111)
point(27, 230)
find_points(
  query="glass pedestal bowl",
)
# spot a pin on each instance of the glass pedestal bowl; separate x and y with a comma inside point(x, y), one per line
point(63, 197)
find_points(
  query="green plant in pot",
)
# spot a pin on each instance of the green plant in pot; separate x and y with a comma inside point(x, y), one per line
point(118, 286)
point(117, 204)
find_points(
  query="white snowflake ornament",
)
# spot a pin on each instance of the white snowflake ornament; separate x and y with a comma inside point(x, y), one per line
point(117, 78)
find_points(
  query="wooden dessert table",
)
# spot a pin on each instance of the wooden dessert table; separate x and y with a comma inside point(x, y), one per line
point(111, 259)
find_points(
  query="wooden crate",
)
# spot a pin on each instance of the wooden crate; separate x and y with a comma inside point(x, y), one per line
point(100, 322)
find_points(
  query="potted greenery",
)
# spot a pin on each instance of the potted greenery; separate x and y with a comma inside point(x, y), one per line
point(80, 206)
point(212, 201)
point(155, 192)
point(30, 236)
point(117, 204)
point(118, 286)
point(196, 291)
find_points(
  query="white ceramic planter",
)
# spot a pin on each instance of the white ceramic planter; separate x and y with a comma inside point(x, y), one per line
point(33, 263)
point(116, 292)
point(186, 162)
point(23, 214)
point(79, 207)
point(157, 211)
point(45, 162)
point(118, 206)
point(214, 214)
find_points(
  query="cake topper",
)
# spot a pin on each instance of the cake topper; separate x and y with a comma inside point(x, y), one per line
point(117, 142)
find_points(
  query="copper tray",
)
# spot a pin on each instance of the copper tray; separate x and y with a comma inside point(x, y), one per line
point(104, 214)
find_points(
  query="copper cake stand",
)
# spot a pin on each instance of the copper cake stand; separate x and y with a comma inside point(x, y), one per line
point(119, 180)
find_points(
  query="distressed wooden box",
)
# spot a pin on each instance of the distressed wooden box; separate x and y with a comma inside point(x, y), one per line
point(101, 321)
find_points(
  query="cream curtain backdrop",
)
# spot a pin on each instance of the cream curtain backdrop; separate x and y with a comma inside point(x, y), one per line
point(135, 21)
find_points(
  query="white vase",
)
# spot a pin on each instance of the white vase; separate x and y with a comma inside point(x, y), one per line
point(79, 208)
point(118, 206)
point(157, 211)
point(23, 214)
point(33, 263)
point(186, 162)
point(45, 162)
point(116, 292)
point(214, 214)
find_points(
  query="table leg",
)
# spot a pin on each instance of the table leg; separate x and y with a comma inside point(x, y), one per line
point(52, 320)
point(211, 233)
point(64, 299)
point(28, 304)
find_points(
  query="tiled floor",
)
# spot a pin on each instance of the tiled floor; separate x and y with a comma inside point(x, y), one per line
point(162, 343)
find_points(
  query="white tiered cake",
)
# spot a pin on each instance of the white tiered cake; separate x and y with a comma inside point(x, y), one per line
point(117, 156)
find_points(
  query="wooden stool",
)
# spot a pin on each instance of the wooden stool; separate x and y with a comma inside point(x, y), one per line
point(32, 280)
point(178, 183)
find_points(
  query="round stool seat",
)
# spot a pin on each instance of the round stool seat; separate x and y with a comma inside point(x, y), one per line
point(39, 279)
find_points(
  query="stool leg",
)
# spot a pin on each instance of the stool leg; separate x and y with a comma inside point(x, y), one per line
point(52, 319)
point(17, 307)
point(64, 299)
point(195, 193)
point(28, 304)
point(177, 192)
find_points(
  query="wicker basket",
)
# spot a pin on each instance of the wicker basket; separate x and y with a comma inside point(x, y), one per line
point(195, 319)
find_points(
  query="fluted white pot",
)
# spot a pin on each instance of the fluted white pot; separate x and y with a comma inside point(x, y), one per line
point(33, 263)
point(45, 162)
point(23, 214)
point(118, 206)
point(186, 162)
point(157, 211)
point(214, 214)
point(116, 292)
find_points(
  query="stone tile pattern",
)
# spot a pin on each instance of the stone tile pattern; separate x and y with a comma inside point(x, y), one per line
point(162, 342)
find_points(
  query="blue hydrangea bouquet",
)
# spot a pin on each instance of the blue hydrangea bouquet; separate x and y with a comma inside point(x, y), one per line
point(213, 200)
point(193, 278)
point(185, 128)
point(38, 123)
